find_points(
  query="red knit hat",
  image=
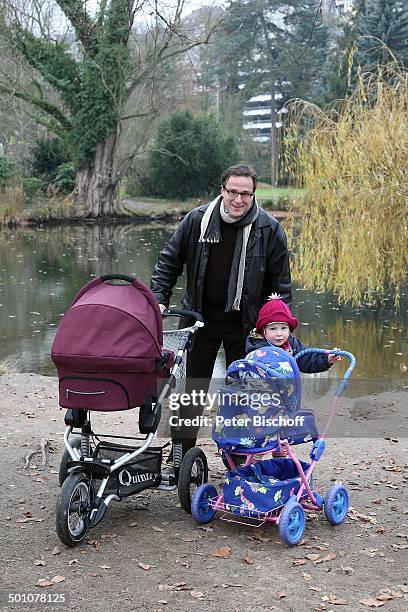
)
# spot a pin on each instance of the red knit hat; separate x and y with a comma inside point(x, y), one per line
point(275, 311)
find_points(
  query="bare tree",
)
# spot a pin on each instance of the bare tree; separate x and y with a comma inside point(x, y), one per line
point(96, 63)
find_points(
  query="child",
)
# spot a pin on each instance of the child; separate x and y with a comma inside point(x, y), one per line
point(273, 328)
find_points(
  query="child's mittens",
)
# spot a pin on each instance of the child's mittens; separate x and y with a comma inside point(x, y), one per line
point(331, 358)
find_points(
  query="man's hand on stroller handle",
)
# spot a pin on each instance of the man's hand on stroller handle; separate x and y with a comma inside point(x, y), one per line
point(162, 308)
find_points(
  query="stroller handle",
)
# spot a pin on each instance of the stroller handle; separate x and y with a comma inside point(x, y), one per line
point(176, 312)
point(124, 277)
point(343, 384)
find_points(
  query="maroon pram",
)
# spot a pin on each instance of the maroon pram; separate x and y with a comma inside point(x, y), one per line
point(108, 347)
point(109, 354)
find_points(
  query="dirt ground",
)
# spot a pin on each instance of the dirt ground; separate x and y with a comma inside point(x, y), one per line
point(148, 554)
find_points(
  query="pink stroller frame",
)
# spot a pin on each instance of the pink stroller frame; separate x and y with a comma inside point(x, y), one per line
point(280, 489)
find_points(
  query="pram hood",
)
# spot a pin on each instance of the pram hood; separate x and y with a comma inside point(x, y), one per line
point(259, 388)
point(270, 368)
point(110, 328)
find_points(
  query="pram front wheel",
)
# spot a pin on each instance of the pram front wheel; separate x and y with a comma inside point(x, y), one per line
point(66, 457)
point(73, 509)
point(292, 523)
point(336, 504)
point(200, 508)
point(193, 473)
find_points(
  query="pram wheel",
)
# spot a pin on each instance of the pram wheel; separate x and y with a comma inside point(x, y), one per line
point(292, 523)
point(336, 504)
point(73, 509)
point(193, 473)
point(200, 508)
point(63, 471)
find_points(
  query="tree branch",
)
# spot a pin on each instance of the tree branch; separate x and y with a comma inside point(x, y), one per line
point(84, 26)
point(47, 107)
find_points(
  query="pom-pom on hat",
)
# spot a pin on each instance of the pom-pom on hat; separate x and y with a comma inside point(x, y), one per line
point(275, 311)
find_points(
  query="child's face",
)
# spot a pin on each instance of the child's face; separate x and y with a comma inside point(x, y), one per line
point(276, 333)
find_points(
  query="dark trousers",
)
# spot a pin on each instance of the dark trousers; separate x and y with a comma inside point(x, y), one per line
point(200, 365)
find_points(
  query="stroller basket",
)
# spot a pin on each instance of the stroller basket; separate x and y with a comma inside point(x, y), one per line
point(142, 473)
point(262, 487)
point(172, 340)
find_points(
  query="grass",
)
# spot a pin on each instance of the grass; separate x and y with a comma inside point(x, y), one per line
point(279, 193)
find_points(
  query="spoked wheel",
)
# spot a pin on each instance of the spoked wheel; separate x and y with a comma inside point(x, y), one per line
point(292, 523)
point(73, 509)
point(336, 504)
point(63, 471)
point(193, 473)
point(200, 507)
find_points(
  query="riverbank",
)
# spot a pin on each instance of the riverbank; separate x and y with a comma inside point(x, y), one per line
point(61, 211)
point(149, 555)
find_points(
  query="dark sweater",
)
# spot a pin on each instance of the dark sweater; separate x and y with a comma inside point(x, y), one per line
point(217, 276)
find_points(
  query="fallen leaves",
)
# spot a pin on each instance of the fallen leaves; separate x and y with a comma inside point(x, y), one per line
point(223, 553)
point(144, 566)
point(371, 602)
point(45, 582)
point(333, 599)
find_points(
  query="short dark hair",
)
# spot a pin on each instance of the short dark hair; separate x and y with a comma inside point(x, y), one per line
point(239, 170)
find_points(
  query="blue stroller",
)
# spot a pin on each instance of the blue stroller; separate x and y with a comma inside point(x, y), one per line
point(260, 413)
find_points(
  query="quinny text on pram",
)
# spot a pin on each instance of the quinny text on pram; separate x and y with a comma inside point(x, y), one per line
point(209, 400)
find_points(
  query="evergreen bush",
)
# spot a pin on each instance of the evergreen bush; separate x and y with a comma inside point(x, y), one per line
point(190, 155)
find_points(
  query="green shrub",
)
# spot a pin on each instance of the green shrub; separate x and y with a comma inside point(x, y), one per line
point(65, 178)
point(190, 155)
point(48, 155)
point(32, 187)
point(6, 170)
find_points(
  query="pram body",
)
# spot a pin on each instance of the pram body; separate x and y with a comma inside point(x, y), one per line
point(260, 412)
point(111, 356)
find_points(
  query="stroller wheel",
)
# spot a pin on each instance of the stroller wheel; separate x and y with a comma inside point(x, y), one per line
point(63, 472)
point(292, 523)
point(200, 509)
point(193, 473)
point(73, 509)
point(336, 504)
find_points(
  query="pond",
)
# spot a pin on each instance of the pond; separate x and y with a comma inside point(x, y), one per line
point(41, 270)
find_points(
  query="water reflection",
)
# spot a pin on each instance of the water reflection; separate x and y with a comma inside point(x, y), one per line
point(42, 269)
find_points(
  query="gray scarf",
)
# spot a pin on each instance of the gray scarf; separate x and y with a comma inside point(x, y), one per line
point(211, 232)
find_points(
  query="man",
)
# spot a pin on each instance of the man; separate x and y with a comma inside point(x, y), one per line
point(236, 255)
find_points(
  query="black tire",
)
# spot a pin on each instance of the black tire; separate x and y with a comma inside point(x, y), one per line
point(193, 473)
point(73, 509)
point(63, 471)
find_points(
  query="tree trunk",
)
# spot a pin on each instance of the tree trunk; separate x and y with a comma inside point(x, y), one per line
point(95, 191)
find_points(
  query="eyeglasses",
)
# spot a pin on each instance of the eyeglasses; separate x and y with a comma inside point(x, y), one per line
point(245, 195)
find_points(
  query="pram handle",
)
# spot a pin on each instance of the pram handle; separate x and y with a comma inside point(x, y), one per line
point(343, 384)
point(124, 277)
point(183, 313)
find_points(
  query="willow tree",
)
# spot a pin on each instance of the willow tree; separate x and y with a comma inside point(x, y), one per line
point(81, 90)
point(353, 163)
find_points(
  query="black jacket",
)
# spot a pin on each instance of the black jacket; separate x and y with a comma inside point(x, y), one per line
point(266, 265)
point(309, 364)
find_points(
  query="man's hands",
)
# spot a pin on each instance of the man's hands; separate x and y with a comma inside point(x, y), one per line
point(162, 308)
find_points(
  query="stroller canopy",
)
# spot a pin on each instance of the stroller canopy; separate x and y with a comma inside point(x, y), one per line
point(110, 328)
point(259, 388)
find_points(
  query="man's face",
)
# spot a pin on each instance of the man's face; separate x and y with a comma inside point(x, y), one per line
point(239, 200)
